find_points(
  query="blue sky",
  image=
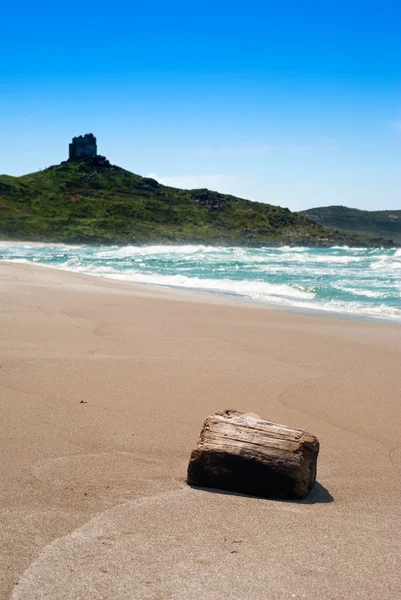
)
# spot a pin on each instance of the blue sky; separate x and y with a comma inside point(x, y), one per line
point(293, 103)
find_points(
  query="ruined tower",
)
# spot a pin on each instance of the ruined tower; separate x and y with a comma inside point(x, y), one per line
point(83, 146)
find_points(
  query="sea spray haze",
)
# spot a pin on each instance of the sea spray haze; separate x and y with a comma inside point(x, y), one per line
point(353, 281)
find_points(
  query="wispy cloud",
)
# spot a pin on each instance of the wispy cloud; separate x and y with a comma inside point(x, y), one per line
point(397, 125)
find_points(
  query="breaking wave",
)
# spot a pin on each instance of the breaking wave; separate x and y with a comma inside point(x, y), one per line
point(352, 281)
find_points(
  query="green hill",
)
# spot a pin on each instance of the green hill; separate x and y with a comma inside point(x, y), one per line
point(382, 223)
point(89, 200)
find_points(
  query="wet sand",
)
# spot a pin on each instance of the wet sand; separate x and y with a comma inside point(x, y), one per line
point(104, 387)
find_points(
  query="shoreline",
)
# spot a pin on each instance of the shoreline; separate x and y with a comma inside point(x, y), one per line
point(313, 312)
point(285, 244)
point(104, 388)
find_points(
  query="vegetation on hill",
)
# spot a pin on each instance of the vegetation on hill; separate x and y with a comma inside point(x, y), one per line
point(91, 201)
point(382, 223)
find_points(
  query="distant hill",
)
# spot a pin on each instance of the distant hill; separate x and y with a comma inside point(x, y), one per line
point(382, 223)
point(90, 201)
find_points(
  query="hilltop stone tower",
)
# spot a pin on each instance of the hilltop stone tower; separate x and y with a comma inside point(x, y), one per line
point(83, 146)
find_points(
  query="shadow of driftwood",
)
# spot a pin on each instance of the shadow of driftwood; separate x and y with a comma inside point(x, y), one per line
point(318, 495)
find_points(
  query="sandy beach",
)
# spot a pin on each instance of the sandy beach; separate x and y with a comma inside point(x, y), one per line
point(104, 387)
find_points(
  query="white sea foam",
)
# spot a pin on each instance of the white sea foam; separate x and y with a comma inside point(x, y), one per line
point(361, 291)
point(389, 263)
point(299, 249)
point(381, 311)
point(124, 251)
point(354, 281)
point(257, 290)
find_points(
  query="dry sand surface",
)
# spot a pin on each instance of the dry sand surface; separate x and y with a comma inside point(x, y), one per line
point(104, 387)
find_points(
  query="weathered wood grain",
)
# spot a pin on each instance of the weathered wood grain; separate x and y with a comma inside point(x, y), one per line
point(243, 452)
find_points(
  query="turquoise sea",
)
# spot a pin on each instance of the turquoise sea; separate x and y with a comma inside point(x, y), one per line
point(350, 281)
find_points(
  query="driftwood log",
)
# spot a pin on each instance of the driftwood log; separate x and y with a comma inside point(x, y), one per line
point(244, 453)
